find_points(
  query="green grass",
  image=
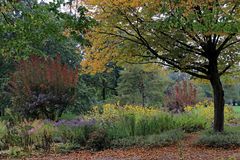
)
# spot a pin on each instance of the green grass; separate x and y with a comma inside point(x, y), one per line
point(237, 109)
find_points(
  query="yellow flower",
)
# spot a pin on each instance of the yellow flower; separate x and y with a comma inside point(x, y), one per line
point(111, 111)
point(206, 109)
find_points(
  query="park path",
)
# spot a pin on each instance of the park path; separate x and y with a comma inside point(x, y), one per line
point(182, 151)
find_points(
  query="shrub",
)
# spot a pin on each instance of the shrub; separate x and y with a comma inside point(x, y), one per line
point(182, 94)
point(42, 88)
point(98, 140)
point(229, 138)
point(163, 139)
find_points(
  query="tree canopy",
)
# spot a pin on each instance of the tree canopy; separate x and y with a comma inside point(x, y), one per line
point(175, 33)
point(27, 28)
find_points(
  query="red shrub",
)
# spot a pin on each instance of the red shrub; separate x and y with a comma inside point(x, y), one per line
point(182, 94)
point(42, 87)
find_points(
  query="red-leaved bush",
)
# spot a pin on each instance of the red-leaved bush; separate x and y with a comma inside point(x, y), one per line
point(42, 87)
point(182, 94)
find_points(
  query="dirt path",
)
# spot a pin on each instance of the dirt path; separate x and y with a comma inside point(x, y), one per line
point(183, 151)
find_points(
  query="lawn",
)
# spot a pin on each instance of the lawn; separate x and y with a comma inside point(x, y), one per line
point(237, 109)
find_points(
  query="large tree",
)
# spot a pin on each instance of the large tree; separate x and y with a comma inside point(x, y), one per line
point(199, 37)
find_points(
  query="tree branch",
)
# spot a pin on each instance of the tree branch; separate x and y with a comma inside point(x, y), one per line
point(220, 48)
point(225, 69)
point(231, 44)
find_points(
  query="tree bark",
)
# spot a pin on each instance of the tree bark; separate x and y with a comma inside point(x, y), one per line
point(103, 89)
point(218, 93)
point(142, 90)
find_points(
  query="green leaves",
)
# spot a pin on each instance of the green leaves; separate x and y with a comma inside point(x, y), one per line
point(29, 28)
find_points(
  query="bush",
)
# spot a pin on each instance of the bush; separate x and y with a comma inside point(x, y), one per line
point(229, 138)
point(42, 88)
point(182, 94)
point(98, 140)
point(163, 139)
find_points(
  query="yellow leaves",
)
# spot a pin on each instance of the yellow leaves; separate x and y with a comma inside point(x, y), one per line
point(97, 57)
point(95, 62)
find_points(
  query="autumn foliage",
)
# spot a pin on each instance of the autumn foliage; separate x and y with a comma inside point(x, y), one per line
point(182, 94)
point(42, 87)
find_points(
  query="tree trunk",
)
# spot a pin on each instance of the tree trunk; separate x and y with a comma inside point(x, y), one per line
point(103, 89)
point(142, 91)
point(218, 93)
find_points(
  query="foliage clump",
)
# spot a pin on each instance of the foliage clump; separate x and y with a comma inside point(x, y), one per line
point(182, 94)
point(42, 88)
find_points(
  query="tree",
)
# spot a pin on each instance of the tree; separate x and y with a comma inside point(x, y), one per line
point(105, 83)
point(27, 27)
point(142, 85)
point(200, 37)
point(5, 67)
